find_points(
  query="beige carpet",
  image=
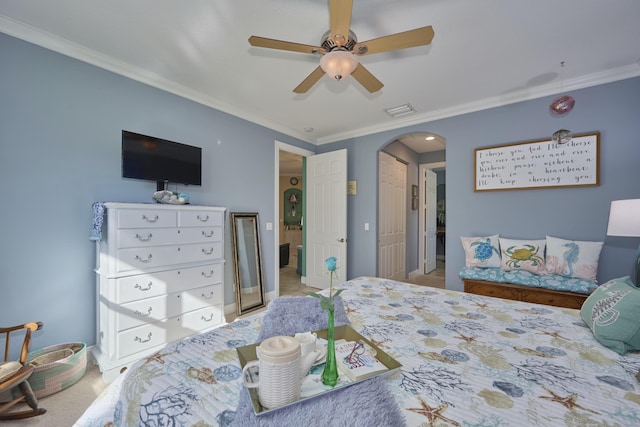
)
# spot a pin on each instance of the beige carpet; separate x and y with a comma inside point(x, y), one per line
point(65, 407)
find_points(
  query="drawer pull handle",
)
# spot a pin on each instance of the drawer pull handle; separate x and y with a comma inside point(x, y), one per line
point(207, 275)
point(140, 340)
point(203, 219)
point(139, 313)
point(207, 297)
point(207, 235)
point(144, 239)
point(205, 319)
point(209, 252)
point(144, 260)
point(148, 288)
point(154, 219)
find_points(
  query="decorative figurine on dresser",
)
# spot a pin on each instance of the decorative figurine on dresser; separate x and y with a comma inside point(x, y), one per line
point(160, 272)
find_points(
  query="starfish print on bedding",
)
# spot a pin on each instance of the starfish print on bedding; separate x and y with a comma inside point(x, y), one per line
point(433, 414)
point(349, 310)
point(553, 334)
point(481, 305)
point(432, 355)
point(568, 402)
point(376, 342)
point(157, 357)
point(465, 338)
point(531, 352)
point(417, 307)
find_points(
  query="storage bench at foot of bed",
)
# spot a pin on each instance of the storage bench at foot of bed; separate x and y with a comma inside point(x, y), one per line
point(524, 293)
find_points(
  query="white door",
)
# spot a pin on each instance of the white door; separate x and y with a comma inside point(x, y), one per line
point(326, 223)
point(392, 211)
point(427, 218)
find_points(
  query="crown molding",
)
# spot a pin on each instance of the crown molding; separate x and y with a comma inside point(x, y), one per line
point(65, 47)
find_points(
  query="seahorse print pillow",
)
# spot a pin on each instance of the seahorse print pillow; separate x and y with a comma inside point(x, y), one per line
point(573, 258)
point(482, 252)
point(527, 255)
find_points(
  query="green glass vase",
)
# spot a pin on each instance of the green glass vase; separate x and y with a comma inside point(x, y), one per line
point(330, 373)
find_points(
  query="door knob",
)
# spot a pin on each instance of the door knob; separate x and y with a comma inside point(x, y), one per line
point(340, 240)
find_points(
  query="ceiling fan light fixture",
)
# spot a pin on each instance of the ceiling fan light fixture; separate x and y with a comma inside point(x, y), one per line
point(338, 64)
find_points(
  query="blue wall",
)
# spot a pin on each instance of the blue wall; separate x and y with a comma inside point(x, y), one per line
point(60, 123)
point(60, 148)
point(571, 213)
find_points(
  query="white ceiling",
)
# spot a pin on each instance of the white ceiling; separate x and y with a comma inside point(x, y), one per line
point(485, 53)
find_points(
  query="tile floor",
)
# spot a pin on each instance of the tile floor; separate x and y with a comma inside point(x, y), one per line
point(290, 284)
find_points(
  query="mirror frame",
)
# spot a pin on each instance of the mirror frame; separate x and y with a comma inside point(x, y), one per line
point(236, 218)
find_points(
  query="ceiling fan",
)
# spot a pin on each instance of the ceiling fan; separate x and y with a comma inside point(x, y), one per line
point(340, 48)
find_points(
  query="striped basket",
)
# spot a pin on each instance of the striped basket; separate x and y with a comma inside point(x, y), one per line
point(56, 368)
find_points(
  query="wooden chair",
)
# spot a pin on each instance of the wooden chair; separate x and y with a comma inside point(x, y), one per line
point(14, 375)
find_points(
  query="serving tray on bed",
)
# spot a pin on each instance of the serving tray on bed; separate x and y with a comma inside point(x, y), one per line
point(312, 387)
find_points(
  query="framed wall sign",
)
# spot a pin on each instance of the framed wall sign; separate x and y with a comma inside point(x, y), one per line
point(539, 164)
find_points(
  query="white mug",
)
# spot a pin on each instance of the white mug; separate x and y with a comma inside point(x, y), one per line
point(307, 342)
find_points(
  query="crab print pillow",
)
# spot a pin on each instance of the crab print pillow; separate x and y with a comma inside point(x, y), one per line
point(481, 251)
point(573, 258)
point(527, 255)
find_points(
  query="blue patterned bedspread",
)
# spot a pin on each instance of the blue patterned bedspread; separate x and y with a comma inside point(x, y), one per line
point(468, 360)
point(525, 278)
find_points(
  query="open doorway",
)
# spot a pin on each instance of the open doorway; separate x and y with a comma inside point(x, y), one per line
point(289, 232)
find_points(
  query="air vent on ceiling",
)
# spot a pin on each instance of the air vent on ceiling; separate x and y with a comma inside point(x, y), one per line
point(400, 110)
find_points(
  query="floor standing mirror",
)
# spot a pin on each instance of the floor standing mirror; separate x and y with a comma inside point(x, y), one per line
point(247, 262)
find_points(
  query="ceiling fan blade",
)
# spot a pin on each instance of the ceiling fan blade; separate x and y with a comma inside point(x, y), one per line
point(366, 79)
point(309, 81)
point(340, 20)
point(283, 45)
point(412, 38)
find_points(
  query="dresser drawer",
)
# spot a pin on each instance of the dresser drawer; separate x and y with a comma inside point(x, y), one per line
point(141, 286)
point(201, 252)
point(149, 310)
point(199, 218)
point(141, 338)
point(138, 313)
point(146, 218)
point(200, 234)
point(193, 299)
point(160, 256)
point(147, 258)
point(144, 237)
point(195, 321)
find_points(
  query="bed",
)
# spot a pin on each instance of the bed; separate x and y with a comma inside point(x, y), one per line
point(468, 360)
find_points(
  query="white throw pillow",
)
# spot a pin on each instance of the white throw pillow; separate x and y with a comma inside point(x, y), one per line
point(527, 255)
point(573, 258)
point(482, 252)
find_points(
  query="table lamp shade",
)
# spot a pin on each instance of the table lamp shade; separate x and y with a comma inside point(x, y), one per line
point(624, 218)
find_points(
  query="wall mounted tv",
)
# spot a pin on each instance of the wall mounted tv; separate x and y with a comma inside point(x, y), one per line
point(154, 159)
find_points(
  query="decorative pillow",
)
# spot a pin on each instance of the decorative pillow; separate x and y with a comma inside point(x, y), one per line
point(573, 258)
point(527, 255)
point(481, 251)
point(613, 313)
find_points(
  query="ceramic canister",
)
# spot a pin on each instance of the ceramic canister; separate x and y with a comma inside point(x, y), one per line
point(279, 368)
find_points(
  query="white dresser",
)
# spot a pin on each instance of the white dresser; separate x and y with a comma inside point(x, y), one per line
point(160, 272)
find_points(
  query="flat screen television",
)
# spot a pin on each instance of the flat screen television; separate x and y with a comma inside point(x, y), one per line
point(154, 159)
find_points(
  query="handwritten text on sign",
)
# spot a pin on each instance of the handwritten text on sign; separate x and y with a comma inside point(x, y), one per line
point(539, 164)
